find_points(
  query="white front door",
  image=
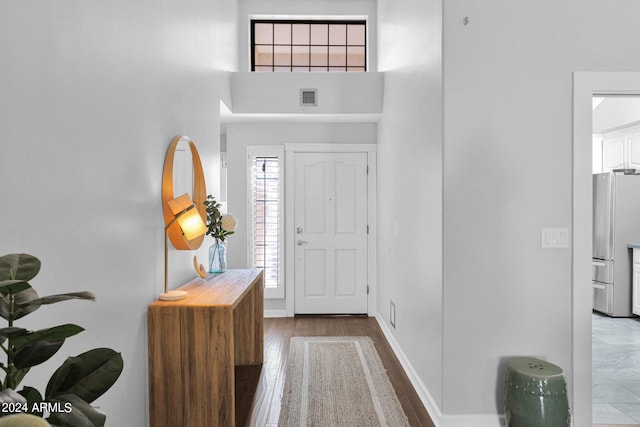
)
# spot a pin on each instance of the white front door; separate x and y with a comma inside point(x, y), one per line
point(330, 214)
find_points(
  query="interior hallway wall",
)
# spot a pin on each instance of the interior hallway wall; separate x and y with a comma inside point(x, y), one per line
point(91, 95)
point(507, 174)
point(410, 183)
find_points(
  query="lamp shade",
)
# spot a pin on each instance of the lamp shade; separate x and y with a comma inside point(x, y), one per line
point(179, 204)
point(187, 216)
point(191, 224)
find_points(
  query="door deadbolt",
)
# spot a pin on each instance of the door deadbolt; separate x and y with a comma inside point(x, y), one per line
point(299, 230)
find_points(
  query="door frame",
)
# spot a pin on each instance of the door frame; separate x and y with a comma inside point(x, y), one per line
point(372, 271)
point(585, 86)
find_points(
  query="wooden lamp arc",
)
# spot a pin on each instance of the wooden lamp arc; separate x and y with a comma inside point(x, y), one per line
point(199, 195)
point(182, 212)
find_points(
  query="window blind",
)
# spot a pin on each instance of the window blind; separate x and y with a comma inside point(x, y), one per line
point(266, 214)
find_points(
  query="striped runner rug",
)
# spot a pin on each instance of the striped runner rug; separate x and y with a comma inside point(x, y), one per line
point(337, 381)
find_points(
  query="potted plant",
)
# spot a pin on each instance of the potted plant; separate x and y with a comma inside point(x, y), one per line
point(219, 226)
point(76, 383)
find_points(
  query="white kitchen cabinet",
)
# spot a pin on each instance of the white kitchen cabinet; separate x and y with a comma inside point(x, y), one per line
point(621, 149)
point(635, 300)
point(613, 151)
point(633, 148)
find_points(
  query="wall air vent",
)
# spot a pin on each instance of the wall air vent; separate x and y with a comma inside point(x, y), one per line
point(308, 97)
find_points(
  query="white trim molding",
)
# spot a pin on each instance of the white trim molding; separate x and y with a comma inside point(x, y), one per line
point(423, 393)
point(274, 313)
point(475, 420)
point(289, 233)
point(438, 418)
point(330, 148)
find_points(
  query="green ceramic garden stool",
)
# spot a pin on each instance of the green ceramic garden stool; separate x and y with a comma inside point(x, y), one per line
point(535, 395)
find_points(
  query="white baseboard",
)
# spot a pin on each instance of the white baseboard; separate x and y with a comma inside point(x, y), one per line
point(473, 420)
point(424, 395)
point(275, 313)
point(438, 418)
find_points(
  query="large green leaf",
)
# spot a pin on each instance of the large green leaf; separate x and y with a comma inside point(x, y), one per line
point(8, 332)
point(52, 299)
point(36, 353)
point(21, 298)
point(64, 377)
point(33, 396)
point(19, 267)
point(88, 375)
point(29, 301)
point(15, 375)
point(81, 415)
point(12, 332)
point(50, 334)
point(13, 286)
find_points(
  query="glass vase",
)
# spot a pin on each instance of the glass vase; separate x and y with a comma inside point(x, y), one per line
point(217, 257)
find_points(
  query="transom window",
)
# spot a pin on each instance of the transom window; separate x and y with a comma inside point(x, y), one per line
point(308, 45)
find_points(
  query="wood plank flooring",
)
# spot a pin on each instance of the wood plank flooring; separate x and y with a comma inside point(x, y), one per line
point(262, 408)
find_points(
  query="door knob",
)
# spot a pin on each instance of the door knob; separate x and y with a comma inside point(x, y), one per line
point(301, 242)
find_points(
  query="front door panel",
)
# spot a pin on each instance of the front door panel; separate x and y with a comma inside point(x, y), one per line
point(331, 233)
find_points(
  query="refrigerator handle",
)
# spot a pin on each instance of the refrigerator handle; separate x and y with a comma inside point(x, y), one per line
point(598, 286)
point(598, 263)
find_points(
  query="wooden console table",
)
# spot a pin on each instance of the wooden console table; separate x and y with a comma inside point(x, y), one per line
point(195, 343)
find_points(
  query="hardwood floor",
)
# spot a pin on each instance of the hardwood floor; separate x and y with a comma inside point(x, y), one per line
point(262, 408)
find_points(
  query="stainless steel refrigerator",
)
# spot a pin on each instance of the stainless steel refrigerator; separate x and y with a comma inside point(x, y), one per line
point(616, 222)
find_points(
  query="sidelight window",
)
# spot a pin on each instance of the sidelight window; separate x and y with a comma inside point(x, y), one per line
point(266, 212)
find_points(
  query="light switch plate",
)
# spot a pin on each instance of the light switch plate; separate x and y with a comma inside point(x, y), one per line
point(554, 238)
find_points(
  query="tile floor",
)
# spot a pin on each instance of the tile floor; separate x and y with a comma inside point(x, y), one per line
point(616, 370)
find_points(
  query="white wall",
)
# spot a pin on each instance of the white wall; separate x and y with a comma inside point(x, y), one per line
point(279, 93)
point(326, 8)
point(616, 112)
point(241, 135)
point(508, 75)
point(410, 184)
point(92, 94)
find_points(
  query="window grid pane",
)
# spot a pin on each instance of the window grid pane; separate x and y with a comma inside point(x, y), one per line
point(319, 34)
point(263, 55)
point(308, 46)
point(300, 34)
point(282, 34)
point(266, 202)
point(263, 34)
point(337, 35)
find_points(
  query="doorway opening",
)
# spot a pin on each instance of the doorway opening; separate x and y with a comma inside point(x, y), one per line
point(586, 86)
point(616, 209)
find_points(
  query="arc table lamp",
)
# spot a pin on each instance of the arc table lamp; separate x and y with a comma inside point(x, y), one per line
point(191, 226)
point(183, 216)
